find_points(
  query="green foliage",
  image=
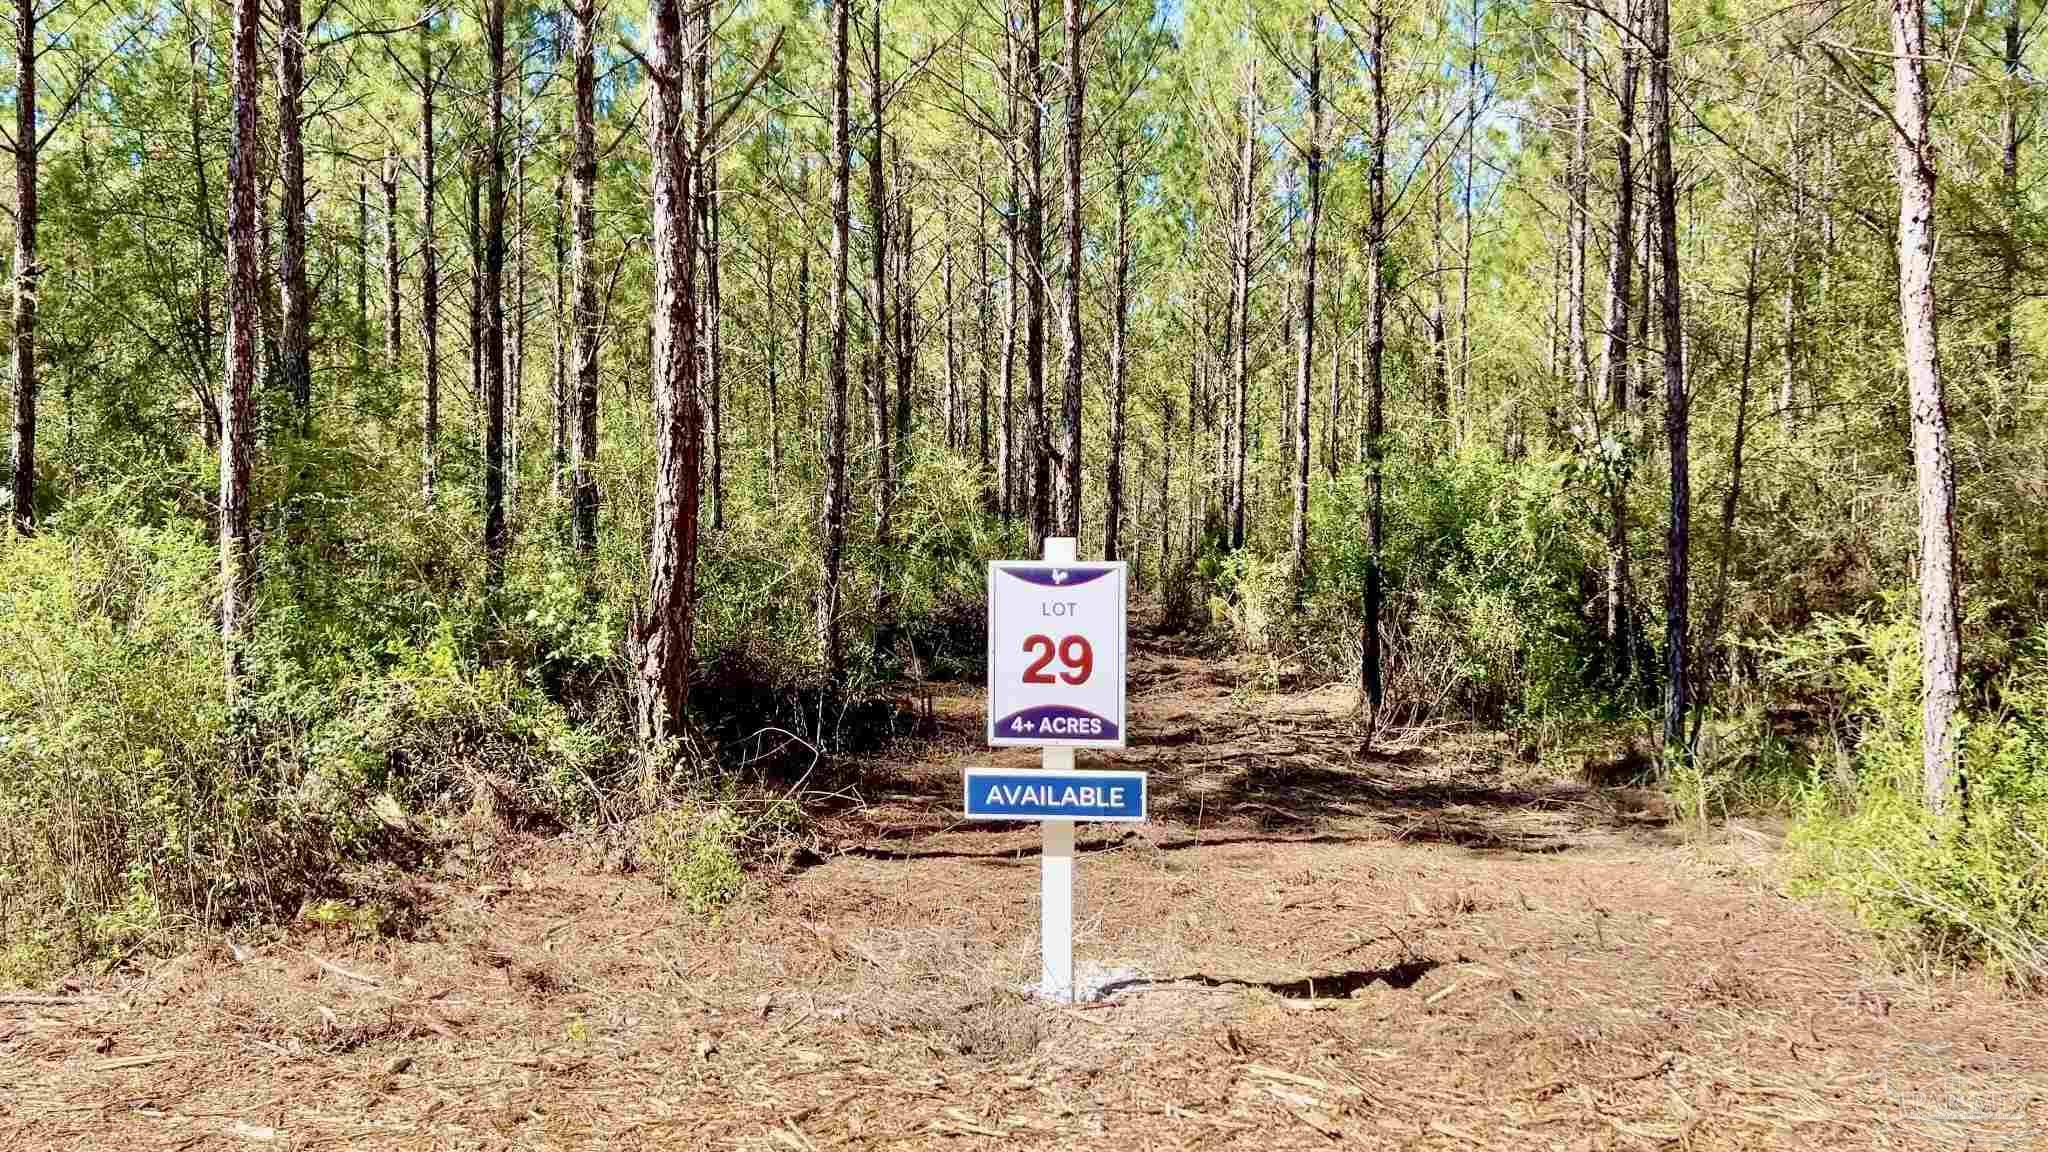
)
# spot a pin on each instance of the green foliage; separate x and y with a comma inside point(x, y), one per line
point(113, 797)
point(701, 851)
point(1480, 570)
point(1968, 885)
point(695, 854)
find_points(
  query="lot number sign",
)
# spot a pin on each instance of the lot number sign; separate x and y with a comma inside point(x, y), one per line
point(1056, 654)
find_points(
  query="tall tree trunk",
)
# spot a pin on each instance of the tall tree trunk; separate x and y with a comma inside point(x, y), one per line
point(1069, 488)
point(296, 310)
point(803, 311)
point(953, 413)
point(1306, 363)
point(559, 392)
point(1038, 459)
point(774, 356)
point(829, 598)
point(1614, 359)
point(878, 359)
point(711, 319)
point(1677, 569)
point(202, 210)
point(394, 314)
point(27, 269)
point(2009, 170)
point(1795, 287)
point(1439, 340)
point(1119, 359)
point(430, 286)
point(1241, 305)
point(664, 628)
point(906, 317)
point(984, 297)
point(473, 184)
point(1006, 443)
point(1578, 219)
point(1370, 680)
point(714, 329)
point(1462, 390)
point(515, 337)
point(1731, 500)
point(583, 319)
point(362, 317)
point(1165, 491)
point(244, 284)
point(1333, 414)
point(1940, 621)
point(492, 293)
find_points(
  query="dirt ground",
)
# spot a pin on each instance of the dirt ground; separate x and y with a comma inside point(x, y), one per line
point(1427, 947)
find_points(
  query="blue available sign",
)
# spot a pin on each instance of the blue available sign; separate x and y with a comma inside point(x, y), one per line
point(994, 794)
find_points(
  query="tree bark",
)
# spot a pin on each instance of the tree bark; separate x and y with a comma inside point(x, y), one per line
point(1069, 488)
point(362, 317)
point(2009, 171)
point(984, 297)
point(1731, 500)
point(515, 332)
point(1119, 359)
point(1934, 468)
point(711, 317)
point(27, 268)
point(1795, 287)
point(394, 315)
point(1578, 220)
point(1462, 387)
point(829, 599)
point(1306, 363)
point(1241, 305)
point(295, 344)
point(583, 333)
point(244, 284)
point(1614, 361)
point(664, 628)
point(430, 287)
point(878, 360)
point(953, 413)
point(1677, 570)
point(1038, 458)
point(473, 188)
point(559, 391)
point(906, 317)
point(1371, 685)
point(1333, 414)
point(492, 294)
point(1006, 443)
point(1165, 491)
point(202, 210)
point(1439, 340)
point(774, 357)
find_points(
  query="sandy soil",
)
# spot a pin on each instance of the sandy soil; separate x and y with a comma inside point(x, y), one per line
point(1422, 948)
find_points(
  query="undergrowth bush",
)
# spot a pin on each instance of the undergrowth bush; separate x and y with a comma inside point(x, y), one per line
point(701, 850)
point(1481, 571)
point(1970, 885)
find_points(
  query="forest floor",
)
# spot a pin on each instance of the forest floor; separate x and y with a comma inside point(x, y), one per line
point(1431, 946)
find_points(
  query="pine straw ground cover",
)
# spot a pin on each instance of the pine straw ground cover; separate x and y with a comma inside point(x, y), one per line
point(1414, 951)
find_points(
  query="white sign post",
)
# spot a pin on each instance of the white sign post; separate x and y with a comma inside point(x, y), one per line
point(1056, 679)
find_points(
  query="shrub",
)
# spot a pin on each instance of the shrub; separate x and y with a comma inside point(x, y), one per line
point(1480, 568)
point(702, 850)
point(114, 804)
point(1967, 885)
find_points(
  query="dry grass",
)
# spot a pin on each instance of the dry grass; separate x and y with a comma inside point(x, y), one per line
point(1338, 950)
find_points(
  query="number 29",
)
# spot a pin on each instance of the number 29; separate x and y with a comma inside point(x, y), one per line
point(1073, 652)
